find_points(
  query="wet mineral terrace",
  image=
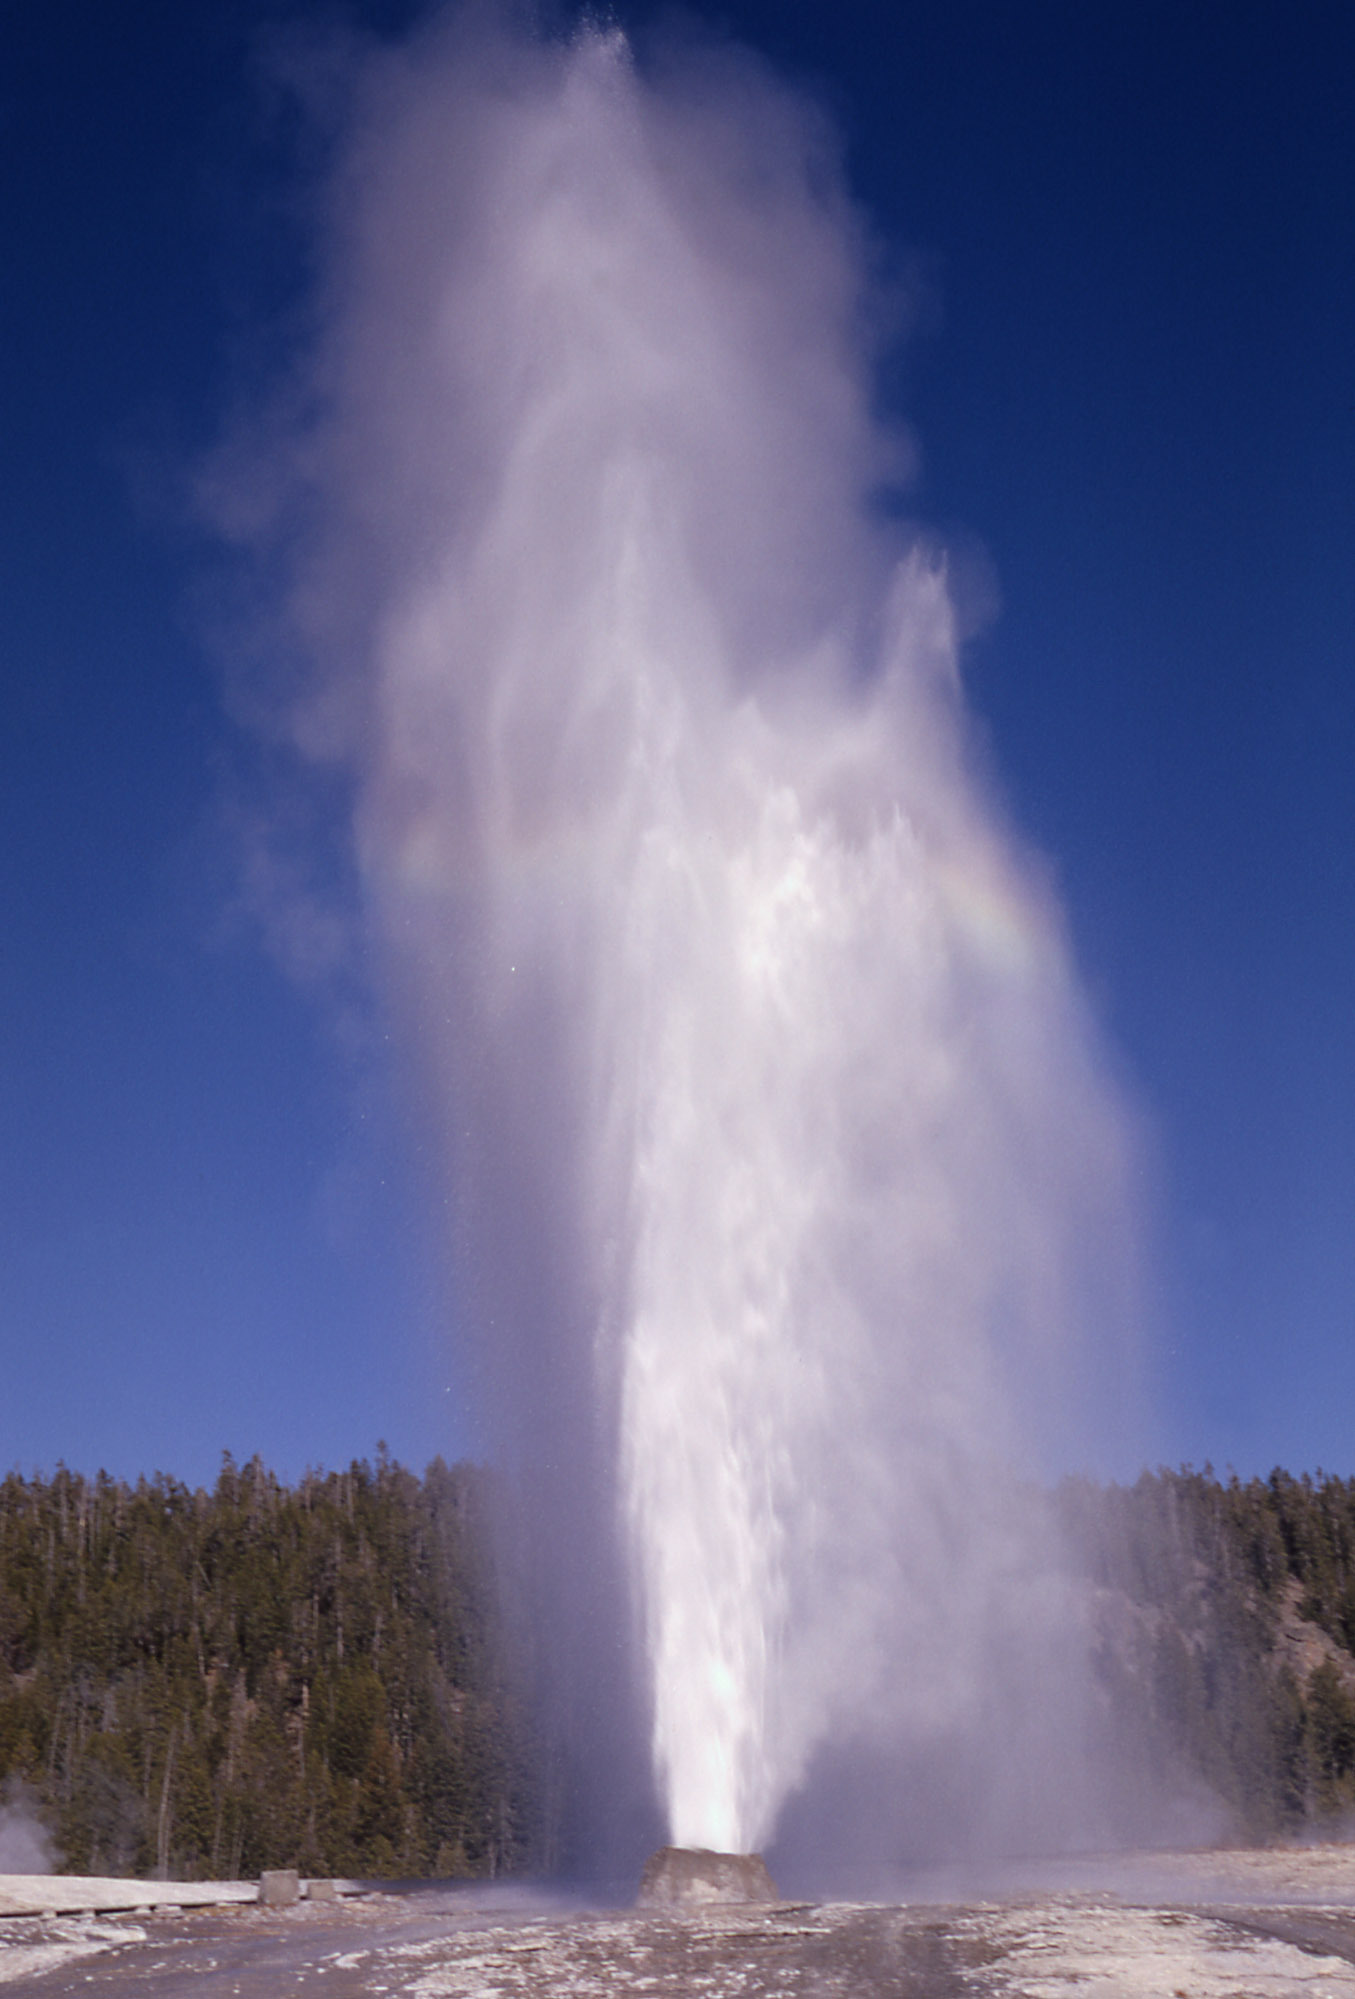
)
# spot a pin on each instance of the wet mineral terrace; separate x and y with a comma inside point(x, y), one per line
point(1241, 1926)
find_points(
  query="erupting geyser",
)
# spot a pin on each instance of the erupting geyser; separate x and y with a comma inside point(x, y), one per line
point(778, 1138)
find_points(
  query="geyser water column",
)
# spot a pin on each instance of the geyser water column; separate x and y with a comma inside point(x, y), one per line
point(774, 1118)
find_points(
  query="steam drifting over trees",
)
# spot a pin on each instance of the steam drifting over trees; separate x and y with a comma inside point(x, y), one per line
point(211, 1683)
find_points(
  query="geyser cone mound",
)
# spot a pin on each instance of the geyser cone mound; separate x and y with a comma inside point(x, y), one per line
point(678, 1877)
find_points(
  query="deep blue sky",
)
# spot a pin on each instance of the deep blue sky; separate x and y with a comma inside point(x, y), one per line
point(1132, 388)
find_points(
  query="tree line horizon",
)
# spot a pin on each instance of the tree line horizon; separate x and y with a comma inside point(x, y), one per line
point(201, 1683)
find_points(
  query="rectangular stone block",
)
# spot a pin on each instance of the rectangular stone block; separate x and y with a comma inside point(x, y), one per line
point(279, 1887)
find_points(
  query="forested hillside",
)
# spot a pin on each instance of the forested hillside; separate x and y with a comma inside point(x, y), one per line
point(211, 1683)
point(1223, 1620)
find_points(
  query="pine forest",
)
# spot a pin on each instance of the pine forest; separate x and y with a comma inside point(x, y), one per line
point(202, 1684)
point(199, 1683)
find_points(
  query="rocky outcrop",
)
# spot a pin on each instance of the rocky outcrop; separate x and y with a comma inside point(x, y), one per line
point(685, 1877)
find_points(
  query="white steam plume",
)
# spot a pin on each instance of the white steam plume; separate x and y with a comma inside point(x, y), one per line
point(781, 1147)
point(25, 1842)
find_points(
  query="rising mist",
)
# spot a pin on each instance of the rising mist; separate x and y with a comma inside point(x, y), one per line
point(784, 1177)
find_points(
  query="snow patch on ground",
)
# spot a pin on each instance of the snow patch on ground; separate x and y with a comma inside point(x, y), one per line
point(1107, 1952)
point(30, 1950)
